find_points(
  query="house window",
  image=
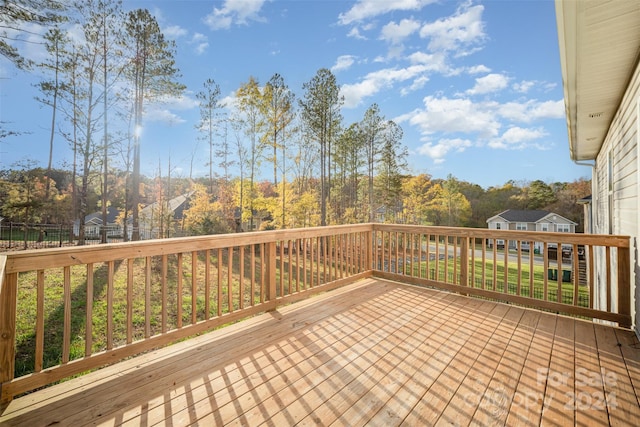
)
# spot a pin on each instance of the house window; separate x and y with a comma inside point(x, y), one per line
point(563, 228)
point(544, 227)
point(521, 226)
point(498, 226)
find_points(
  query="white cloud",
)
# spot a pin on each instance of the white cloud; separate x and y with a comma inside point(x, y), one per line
point(479, 69)
point(439, 150)
point(531, 110)
point(365, 9)
point(433, 61)
point(355, 33)
point(200, 43)
point(523, 86)
point(465, 28)
point(174, 31)
point(455, 115)
point(417, 84)
point(162, 110)
point(376, 81)
point(238, 12)
point(344, 62)
point(395, 33)
point(517, 138)
point(489, 84)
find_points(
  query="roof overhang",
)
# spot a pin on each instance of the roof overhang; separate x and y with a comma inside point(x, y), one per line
point(599, 44)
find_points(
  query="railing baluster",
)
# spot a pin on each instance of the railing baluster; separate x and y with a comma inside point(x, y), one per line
point(519, 256)
point(531, 269)
point(609, 268)
point(219, 282)
point(147, 297)
point(241, 284)
point(506, 267)
point(163, 282)
point(194, 287)
point(230, 278)
point(39, 321)
point(207, 284)
point(179, 291)
point(110, 291)
point(88, 323)
point(130, 300)
point(590, 267)
point(575, 274)
point(281, 268)
point(290, 268)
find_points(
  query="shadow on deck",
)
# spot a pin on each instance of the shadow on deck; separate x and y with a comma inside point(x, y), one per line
point(375, 352)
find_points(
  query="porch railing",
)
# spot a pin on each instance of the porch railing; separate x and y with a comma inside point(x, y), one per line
point(68, 310)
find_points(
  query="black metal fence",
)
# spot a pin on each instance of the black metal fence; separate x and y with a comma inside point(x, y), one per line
point(20, 236)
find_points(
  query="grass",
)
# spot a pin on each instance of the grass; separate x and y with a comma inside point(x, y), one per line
point(487, 281)
point(54, 300)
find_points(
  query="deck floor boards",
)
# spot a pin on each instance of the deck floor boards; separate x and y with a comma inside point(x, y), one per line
point(372, 353)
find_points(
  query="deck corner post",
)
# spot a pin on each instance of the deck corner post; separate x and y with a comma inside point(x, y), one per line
point(270, 274)
point(8, 301)
point(624, 285)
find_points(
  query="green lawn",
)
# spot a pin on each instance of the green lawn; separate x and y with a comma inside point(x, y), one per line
point(512, 279)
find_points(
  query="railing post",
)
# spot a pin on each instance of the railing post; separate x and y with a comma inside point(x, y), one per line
point(624, 285)
point(270, 273)
point(464, 261)
point(8, 299)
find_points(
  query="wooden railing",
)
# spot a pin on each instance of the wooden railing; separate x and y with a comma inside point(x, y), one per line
point(577, 274)
point(68, 310)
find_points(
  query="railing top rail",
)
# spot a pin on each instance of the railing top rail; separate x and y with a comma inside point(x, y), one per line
point(538, 236)
point(78, 255)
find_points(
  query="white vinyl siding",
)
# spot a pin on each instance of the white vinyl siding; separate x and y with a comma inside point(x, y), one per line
point(615, 182)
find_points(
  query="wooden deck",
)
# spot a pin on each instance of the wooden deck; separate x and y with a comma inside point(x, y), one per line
point(372, 353)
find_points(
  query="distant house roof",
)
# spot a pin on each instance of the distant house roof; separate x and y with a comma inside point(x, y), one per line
point(96, 217)
point(516, 215)
point(177, 205)
point(584, 200)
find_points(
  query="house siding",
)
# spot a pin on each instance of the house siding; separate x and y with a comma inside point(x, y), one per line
point(622, 142)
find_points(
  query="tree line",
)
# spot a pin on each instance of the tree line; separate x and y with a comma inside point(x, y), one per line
point(102, 77)
point(422, 200)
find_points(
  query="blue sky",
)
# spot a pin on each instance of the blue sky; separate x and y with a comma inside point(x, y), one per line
point(475, 85)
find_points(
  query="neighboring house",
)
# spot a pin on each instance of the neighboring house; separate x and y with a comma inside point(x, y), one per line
point(599, 51)
point(529, 220)
point(93, 224)
point(393, 215)
point(172, 211)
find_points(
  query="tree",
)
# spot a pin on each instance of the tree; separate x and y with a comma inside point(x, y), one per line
point(84, 67)
point(321, 115)
point(55, 41)
point(539, 195)
point(416, 199)
point(153, 75)
point(447, 206)
point(391, 163)
point(249, 105)
point(349, 160)
point(15, 14)
point(278, 114)
point(372, 125)
point(209, 101)
point(108, 17)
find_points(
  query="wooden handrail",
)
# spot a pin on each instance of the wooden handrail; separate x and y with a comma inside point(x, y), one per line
point(199, 283)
